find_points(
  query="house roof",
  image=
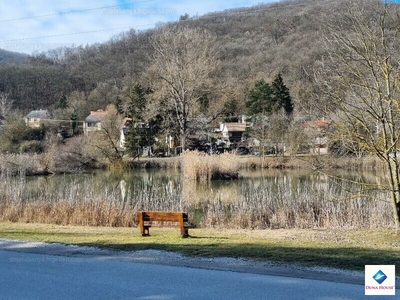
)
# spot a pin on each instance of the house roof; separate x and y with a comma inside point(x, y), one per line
point(318, 124)
point(40, 114)
point(235, 127)
point(125, 123)
point(95, 116)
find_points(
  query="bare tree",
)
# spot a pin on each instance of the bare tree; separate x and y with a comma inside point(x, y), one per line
point(183, 61)
point(5, 104)
point(106, 140)
point(361, 80)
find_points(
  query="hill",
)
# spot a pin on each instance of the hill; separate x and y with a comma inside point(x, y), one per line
point(254, 42)
point(14, 57)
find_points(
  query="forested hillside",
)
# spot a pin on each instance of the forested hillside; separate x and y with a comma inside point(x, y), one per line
point(14, 57)
point(253, 43)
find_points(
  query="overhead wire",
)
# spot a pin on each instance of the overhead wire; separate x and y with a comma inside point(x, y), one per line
point(246, 11)
point(73, 11)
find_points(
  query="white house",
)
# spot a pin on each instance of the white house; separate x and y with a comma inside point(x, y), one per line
point(123, 129)
point(93, 121)
point(36, 117)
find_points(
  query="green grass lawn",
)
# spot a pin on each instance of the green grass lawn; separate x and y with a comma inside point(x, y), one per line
point(347, 249)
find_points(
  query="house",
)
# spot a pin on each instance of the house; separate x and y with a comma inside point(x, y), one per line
point(123, 130)
point(233, 132)
point(317, 132)
point(36, 117)
point(93, 121)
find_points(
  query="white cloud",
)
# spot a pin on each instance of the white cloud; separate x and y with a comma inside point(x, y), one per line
point(28, 26)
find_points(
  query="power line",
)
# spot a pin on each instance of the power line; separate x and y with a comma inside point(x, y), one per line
point(247, 11)
point(72, 11)
point(74, 33)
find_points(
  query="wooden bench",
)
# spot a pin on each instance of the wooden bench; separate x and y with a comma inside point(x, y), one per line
point(148, 219)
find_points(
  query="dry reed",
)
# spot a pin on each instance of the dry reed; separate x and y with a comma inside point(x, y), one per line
point(200, 166)
point(268, 204)
point(26, 164)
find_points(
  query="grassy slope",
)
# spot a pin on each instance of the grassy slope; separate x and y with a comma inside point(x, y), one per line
point(346, 249)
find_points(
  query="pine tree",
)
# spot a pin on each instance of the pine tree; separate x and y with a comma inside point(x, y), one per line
point(261, 100)
point(141, 130)
point(62, 102)
point(230, 110)
point(73, 119)
point(282, 95)
point(138, 103)
point(118, 105)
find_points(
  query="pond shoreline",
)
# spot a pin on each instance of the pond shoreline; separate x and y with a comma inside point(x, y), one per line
point(36, 165)
point(308, 162)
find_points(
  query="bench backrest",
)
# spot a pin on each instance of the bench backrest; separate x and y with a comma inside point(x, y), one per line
point(160, 216)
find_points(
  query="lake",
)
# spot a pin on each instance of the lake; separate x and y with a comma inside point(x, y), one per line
point(259, 199)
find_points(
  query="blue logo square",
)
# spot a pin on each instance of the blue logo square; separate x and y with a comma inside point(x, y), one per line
point(380, 277)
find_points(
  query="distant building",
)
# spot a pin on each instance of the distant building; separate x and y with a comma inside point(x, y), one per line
point(36, 117)
point(123, 130)
point(93, 121)
point(317, 131)
point(233, 132)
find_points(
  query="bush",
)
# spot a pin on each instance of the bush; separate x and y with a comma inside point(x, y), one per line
point(31, 147)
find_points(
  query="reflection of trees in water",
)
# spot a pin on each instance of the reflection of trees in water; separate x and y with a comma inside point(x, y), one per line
point(197, 193)
point(274, 200)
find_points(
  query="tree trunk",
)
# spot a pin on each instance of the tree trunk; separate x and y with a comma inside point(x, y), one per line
point(395, 192)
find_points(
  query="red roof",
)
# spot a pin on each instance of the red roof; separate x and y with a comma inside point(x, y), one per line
point(98, 112)
point(125, 122)
point(318, 123)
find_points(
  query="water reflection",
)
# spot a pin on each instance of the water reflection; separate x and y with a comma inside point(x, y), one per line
point(137, 184)
point(269, 198)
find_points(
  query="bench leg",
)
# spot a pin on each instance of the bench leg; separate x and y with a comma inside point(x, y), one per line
point(185, 232)
point(145, 231)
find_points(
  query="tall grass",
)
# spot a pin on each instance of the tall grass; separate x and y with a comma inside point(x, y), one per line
point(278, 202)
point(268, 207)
point(200, 166)
point(26, 164)
point(79, 203)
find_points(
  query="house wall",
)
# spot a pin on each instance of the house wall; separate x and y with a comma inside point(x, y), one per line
point(33, 122)
point(91, 127)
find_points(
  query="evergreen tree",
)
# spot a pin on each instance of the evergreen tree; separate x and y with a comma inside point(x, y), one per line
point(137, 104)
point(230, 110)
point(141, 131)
point(72, 121)
point(62, 102)
point(282, 95)
point(261, 99)
point(118, 105)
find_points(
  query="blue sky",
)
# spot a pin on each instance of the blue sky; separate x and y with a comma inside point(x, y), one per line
point(34, 26)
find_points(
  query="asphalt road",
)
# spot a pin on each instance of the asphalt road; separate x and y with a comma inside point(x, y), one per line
point(78, 273)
